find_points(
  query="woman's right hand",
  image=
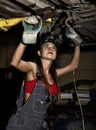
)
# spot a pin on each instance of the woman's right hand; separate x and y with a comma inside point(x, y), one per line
point(32, 25)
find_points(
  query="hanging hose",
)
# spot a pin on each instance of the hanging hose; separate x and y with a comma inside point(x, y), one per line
point(75, 87)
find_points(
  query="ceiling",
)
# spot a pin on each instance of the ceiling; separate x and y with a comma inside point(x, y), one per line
point(80, 14)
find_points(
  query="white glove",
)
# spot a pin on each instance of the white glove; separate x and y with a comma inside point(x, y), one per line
point(32, 25)
point(72, 35)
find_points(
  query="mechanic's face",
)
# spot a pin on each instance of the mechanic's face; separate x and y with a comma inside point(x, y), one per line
point(48, 51)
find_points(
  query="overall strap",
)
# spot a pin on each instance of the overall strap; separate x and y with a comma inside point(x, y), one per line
point(20, 98)
point(38, 74)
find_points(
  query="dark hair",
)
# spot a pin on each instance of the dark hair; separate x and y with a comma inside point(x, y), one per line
point(53, 74)
point(47, 37)
point(52, 70)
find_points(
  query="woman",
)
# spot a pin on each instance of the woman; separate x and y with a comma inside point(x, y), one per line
point(40, 85)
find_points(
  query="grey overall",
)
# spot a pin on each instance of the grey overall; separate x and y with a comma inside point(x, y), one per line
point(31, 115)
